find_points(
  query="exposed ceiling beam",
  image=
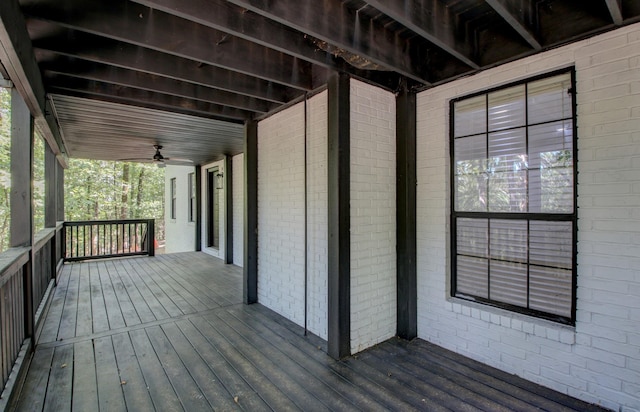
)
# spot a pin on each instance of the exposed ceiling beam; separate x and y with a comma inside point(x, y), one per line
point(435, 23)
point(240, 22)
point(616, 11)
point(518, 14)
point(114, 53)
point(332, 22)
point(18, 59)
point(144, 98)
point(139, 25)
point(129, 78)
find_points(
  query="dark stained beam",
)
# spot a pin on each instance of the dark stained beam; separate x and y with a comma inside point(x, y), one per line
point(250, 264)
point(253, 27)
point(407, 295)
point(50, 187)
point(518, 13)
point(139, 25)
point(334, 23)
point(19, 63)
point(21, 226)
point(616, 11)
point(59, 192)
point(434, 23)
point(339, 221)
point(198, 211)
point(143, 98)
point(123, 77)
point(114, 53)
point(228, 209)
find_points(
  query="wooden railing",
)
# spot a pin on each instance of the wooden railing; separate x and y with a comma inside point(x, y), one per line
point(108, 238)
point(27, 275)
point(12, 307)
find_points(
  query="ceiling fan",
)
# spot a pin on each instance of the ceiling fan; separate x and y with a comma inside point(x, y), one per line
point(159, 159)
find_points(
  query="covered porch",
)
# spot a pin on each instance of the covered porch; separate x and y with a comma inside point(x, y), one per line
point(171, 333)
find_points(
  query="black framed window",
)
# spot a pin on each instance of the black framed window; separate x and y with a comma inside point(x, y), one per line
point(513, 197)
point(192, 197)
point(173, 198)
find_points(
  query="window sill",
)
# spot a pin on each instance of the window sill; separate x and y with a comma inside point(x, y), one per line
point(541, 328)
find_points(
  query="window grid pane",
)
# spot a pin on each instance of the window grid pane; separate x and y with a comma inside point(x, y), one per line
point(519, 161)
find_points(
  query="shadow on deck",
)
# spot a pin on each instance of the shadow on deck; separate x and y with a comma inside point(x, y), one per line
point(171, 333)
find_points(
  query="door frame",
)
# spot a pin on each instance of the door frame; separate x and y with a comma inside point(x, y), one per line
point(204, 184)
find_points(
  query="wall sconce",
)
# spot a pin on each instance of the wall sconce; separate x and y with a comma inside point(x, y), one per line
point(219, 181)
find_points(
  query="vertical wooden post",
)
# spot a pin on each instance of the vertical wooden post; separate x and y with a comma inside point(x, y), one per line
point(50, 185)
point(59, 192)
point(407, 314)
point(250, 269)
point(198, 217)
point(22, 195)
point(339, 219)
point(151, 237)
point(228, 209)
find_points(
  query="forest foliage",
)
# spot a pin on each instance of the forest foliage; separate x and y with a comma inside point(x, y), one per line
point(94, 189)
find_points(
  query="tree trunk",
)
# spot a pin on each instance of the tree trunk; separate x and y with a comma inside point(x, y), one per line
point(139, 194)
point(124, 205)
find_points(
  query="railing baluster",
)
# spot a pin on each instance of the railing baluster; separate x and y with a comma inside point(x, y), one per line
point(110, 238)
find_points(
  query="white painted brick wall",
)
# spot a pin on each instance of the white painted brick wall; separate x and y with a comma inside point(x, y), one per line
point(373, 216)
point(599, 359)
point(317, 220)
point(238, 209)
point(281, 213)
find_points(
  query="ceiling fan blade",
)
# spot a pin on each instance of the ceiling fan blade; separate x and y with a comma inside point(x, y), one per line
point(177, 160)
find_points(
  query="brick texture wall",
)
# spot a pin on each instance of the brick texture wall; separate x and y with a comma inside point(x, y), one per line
point(238, 209)
point(373, 216)
point(317, 219)
point(598, 360)
point(281, 213)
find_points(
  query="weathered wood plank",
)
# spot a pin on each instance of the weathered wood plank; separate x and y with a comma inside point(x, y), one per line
point(180, 295)
point(139, 303)
point(35, 387)
point(136, 393)
point(190, 395)
point(60, 380)
point(85, 385)
point(206, 380)
point(110, 394)
point(293, 333)
point(271, 394)
point(84, 320)
point(128, 311)
point(98, 309)
point(70, 309)
point(112, 305)
point(314, 362)
point(237, 387)
point(141, 277)
point(162, 393)
point(281, 375)
point(263, 347)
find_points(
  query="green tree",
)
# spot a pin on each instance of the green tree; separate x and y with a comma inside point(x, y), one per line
point(5, 167)
point(102, 190)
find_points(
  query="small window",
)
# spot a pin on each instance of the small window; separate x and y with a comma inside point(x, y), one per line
point(513, 183)
point(192, 197)
point(173, 198)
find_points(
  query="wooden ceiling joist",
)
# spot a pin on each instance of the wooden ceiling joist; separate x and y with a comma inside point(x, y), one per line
point(342, 28)
point(518, 13)
point(135, 24)
point(118, 54)
point(615, 9)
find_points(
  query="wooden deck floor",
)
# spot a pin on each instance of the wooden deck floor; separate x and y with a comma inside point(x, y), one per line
point(170, 333)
